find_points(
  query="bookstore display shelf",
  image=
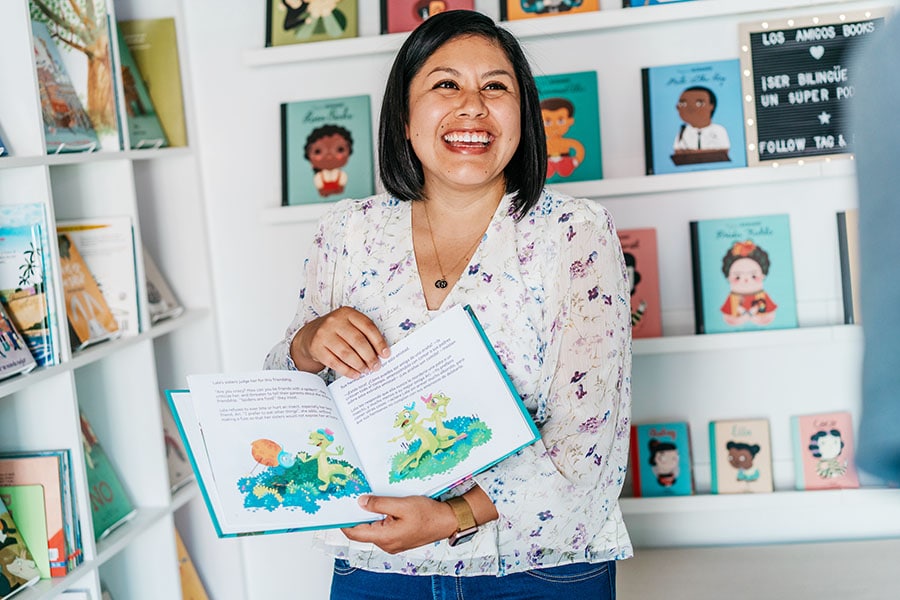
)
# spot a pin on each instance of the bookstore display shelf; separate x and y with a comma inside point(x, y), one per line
point(609, 20)
point(793, 516)
point(75, 158)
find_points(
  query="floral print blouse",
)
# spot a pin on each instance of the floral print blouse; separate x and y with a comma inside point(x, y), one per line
point(551, 292)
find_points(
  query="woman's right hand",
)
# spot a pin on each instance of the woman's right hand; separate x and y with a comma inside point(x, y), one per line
point(344, 340)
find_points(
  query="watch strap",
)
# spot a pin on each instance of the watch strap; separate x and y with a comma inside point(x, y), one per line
point(465, 519)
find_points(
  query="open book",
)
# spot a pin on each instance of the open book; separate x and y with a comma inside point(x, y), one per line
point(278, 451)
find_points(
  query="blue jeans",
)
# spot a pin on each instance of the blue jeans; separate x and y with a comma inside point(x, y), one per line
point(581, 581)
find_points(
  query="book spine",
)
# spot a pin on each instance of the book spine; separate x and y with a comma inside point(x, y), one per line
point(285, 201)
point(635, 463)
point(648, 125)
point(697, 281)
point(797, 442)
point(384, 18)
point(504, 13)
point(269, 23)
point(846, 275)
point(714, 478)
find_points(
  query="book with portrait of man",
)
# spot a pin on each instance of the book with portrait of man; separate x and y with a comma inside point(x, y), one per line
point(570, 108)
point(326, 150)
point(693, 117)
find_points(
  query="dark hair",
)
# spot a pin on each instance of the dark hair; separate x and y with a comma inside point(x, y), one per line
point(327, 130)
point(399, 167)
point(745, 249)
point(656, 447)
point(712, 96)
point(558, 103)
point(814, 441)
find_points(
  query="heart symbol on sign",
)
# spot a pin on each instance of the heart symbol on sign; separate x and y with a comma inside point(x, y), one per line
point(817, 52)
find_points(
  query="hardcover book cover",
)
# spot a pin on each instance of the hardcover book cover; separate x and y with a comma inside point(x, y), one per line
point(23, 288)
point(90, 319)
point(110, 506)
point(44, 471)
point(176, 456)
point(67, 127)
point(661, 459)
point(292, 453)
point(25, 504)
point(326, 150)
point(300, 21)
point(848, 251)
point(144, 127)
point(405, 15)
point(153, 44)
point(740, 456)
point(511, 10)
point(80, 31)
point(743, 274)
point(18, 569)
point(636, 3)
point(162, 302)
point(693, 117)
point(570, 107)
point(107, 246)
point(824, 451)
point(642, 263)
point(15, 357)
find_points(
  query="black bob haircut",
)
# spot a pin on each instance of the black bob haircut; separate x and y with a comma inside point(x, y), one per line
point(399, 167)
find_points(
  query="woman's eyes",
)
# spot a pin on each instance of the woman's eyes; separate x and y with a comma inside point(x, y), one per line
point(447, 85)
point(493, 86)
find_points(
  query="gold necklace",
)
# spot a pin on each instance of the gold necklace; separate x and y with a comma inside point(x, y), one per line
point(442, 282)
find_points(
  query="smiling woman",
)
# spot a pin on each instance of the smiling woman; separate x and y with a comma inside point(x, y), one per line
point(463, 159)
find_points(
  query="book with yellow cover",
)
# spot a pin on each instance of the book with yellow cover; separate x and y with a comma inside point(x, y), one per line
point(90, 319)
point(191, 585)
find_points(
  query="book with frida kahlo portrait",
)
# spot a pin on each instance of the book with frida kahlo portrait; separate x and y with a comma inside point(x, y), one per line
point(278, 451)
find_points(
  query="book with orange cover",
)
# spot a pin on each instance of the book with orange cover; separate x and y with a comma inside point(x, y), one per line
point(191, 585)
point(90, 319)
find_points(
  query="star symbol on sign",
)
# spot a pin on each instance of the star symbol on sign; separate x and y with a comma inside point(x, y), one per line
point(824, 118)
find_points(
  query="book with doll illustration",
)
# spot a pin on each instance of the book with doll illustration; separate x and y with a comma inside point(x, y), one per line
point(740, 452)
point(278, 451)
point(823, 451)
point(661, 459)
point(642, 263)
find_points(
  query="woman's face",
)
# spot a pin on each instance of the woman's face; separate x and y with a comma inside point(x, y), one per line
point(464, 123)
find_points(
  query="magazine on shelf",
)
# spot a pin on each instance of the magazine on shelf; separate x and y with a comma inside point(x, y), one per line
point(278, 451)
point(110, 505)
point(144, 127)
point(90, 319)
point(18, 569)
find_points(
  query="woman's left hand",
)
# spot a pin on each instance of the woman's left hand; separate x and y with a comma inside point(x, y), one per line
point(409, 522)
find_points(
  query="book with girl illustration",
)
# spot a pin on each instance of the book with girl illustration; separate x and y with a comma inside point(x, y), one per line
point(661, 459)
point(823, 451)
point(278, 451)
point(740, 452)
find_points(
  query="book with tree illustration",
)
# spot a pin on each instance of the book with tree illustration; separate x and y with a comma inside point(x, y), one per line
point(18, 569)
point(299, 21)
point(90, 319)
point(278, 451)
point(824, 451)
point(80, 31)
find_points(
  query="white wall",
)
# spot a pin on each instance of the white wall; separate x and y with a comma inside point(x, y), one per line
point(255, 265)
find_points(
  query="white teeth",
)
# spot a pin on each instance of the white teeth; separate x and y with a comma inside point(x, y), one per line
point(468, 137)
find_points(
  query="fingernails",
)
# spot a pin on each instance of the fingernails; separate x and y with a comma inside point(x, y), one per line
point(363, 500)
point(386, 352)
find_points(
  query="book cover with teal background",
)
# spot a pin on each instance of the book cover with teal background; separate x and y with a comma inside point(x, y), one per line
point(570, 107)
point(743, 274)
point(110, 506)
point(661, 459)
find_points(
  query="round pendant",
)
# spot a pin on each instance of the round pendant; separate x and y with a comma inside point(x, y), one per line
point(440, 284)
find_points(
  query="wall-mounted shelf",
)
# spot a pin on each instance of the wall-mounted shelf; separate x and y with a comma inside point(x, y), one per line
point(74, 158)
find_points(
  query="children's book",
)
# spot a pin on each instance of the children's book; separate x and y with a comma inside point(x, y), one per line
point(848, 251)
point(90, 319)
point(661, 459)
point(15, 357)
point(740, 456)
point(570, 107)
point(23, 288)
point(179, 465)
point(80, 31)
point(162, 302)
point(278, 451)
point(326, 150)
point(405, 15)
point(153, 44)
point(43, 470)
point(144, 127)
point(67, 127)
point(511, 10)
point(4, 147)
point(26, 505)
point(824, 451)
point(636, 3)
point(743, 274)
point(693, 117)
point(107, 246)
point(296, 22)
point(17, 567)
point(192, 587)
point(110, 506)
point(642, 264)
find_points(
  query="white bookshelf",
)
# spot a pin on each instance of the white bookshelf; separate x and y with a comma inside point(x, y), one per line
point(117, 383)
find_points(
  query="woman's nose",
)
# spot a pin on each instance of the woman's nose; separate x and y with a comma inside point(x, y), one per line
point(471, 105)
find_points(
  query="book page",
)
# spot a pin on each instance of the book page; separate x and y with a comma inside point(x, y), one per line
point(440, 409)
point(279, 456)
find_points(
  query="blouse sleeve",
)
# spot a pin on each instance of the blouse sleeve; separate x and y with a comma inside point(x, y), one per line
point(320, 286)
point(563, 490)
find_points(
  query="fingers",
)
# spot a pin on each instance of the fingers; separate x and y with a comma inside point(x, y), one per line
point(344, 340)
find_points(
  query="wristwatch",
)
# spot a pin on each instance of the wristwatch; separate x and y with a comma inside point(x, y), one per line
point(466, 526)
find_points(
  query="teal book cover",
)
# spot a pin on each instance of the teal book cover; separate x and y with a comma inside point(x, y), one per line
point(110, 506)
point(144, 127)
point(661, 459)
point(570, 108)
point(743, 274)
point(693, 117)
point(67, 126)
point(326, 150)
